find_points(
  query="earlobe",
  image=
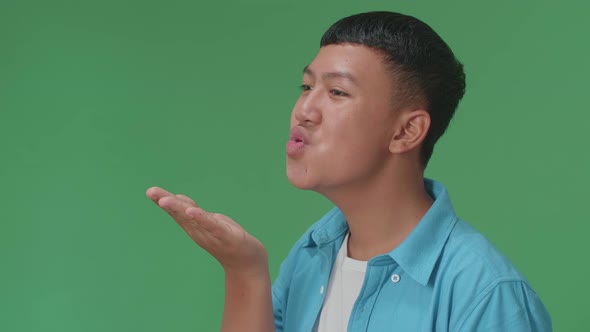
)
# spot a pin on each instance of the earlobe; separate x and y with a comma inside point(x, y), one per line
point(412, 130)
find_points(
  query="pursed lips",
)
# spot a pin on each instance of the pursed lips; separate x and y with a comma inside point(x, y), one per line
point(298, 135)
point(297, 141)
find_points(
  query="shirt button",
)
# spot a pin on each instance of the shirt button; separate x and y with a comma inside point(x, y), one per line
point(395, 278)
point(322, 290)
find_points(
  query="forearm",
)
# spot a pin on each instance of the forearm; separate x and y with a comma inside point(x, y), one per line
point(248, 303)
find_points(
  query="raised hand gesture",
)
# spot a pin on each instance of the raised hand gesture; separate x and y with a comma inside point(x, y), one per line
point(236, 250)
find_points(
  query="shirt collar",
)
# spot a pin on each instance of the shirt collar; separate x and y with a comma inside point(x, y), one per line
point(331, 227)
point(418, 253)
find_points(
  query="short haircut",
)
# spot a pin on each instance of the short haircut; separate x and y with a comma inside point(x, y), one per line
point(421, 63)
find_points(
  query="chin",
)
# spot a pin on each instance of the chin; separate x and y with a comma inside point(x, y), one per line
point(302, 186)
point(299, 178)
point(299, 183)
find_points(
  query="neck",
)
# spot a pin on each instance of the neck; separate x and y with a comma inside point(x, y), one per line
point(382, 211)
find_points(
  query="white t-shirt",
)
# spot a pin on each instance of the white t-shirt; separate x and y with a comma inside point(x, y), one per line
point(344, 287)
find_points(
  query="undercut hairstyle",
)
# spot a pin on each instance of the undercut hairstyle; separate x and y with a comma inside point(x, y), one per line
point(422, 65)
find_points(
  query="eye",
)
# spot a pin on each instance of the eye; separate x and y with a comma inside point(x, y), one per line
point(338, 93)
point(305, 87)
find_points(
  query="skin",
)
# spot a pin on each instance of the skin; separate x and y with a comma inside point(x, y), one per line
point(248, 302)
point(362, 153)
point(364, 146)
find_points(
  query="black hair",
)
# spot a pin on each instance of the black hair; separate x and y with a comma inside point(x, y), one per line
point(421, 62)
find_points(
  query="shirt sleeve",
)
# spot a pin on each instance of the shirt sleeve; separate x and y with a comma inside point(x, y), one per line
point(507, 306)
point(280, 287)
point(279, 294)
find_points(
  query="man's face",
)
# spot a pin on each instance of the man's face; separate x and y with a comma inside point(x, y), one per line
point(342, 123)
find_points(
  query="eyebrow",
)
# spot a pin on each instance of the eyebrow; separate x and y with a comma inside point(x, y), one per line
point(332, 74)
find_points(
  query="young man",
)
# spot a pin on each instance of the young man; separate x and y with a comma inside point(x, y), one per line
point(391, 255)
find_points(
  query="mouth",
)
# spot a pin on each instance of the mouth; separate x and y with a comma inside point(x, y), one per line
point(298, 135)
point(297, 142)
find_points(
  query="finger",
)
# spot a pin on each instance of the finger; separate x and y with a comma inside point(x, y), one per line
point(157, 193)
point(176, 209)
point(174, 206)
point(187, 200)
point(210, 222)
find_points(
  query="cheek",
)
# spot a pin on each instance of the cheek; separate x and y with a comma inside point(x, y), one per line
point(355, 133)
point(358, 144)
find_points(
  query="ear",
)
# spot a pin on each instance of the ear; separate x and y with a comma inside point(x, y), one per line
point(411, 129)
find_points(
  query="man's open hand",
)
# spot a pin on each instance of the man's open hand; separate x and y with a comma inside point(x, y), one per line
point(237, 251)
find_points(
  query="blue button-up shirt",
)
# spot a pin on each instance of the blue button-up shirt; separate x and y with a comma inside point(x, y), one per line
point(445, 276)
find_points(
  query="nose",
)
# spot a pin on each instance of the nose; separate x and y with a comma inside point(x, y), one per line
point(307, 109)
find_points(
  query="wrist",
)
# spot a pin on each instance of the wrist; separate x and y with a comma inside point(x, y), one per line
point(253, 272)
point(250, 266)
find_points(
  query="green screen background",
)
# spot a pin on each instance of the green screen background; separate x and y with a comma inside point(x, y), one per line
point(100, 100)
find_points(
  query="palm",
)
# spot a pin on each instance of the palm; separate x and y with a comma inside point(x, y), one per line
point(219, 235)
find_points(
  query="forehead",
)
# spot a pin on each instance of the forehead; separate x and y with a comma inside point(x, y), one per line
point(364, 65)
